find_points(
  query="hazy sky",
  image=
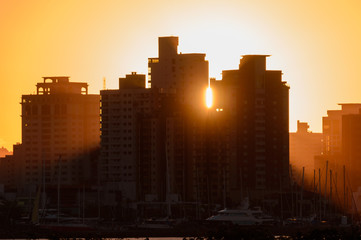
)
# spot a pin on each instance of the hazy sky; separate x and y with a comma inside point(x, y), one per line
point(316, 44)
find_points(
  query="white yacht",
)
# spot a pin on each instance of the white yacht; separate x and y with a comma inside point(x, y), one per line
point(243, 216)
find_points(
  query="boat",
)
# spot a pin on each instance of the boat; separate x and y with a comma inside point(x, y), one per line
point(67, 227)
point(53, 216)
point(157, 223)
point(51, 219)
point(243, 216)
point(302, 221)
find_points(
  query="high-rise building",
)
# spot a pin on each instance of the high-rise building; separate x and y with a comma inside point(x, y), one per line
point(332, 127)
point(351, 153)
point(304, 146)
point(143, 129)
point(136, 124)
point(254, 102)
point(161, 144)
point(340, 156)
point(119, 139)
point(185, 73)
point(60, 131)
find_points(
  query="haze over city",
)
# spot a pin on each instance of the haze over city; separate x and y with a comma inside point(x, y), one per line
point(315, 44)
point(189, 118)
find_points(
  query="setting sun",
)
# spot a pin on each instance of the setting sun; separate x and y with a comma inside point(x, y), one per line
point(209, 97)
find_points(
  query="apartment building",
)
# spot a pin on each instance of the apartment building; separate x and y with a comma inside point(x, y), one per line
point(256, 102)
point(160, 143)
point(60, 132)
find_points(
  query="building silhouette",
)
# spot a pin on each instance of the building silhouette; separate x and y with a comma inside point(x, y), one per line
point(143, 135)
point(304, 146)
point(10, 171)
point(185, 73)
point(332, 127)
point(340, 157)
point(60, 135)
point(351, 137)
point(253, 102)
point(142, 143)
point(120, 150)
point(162, 148)
point(146, 141)
point(162, 151)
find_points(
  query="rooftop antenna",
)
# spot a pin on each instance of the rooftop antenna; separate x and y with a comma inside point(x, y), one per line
point(104, 83)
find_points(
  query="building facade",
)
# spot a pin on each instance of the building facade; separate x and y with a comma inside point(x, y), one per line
point(340, 156)
point(60, 134)
point(137, 125)
point(332, 127)
point(256, 103)
point(11, 175)
point(162, 147)
point(304, 146)
point(185, 73)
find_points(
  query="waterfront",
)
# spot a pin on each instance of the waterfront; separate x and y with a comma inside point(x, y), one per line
point(197, 232)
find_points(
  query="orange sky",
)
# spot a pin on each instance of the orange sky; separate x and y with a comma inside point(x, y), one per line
point(316, 44)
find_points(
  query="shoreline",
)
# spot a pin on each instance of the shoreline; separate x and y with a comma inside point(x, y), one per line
point(220, 232)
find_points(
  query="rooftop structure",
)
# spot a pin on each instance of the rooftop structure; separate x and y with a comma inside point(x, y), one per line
point(60, 85)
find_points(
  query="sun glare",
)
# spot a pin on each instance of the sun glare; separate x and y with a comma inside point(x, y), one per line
point(209, 97)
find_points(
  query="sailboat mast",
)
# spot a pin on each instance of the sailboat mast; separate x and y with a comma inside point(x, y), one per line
point(325, 198)
point(314, 190)
point(224, 188)
point(59, 173)
point(319, 191)
point(330, 186)
point(43, 198)
point(344, 188)
point(281, 198)
point(292, 197)
point(83, 205)
point(303, 178)
point(167, 182)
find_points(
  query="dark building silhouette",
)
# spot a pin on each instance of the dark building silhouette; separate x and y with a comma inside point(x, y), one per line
point(351, 137)
point(60, 131)
point(161, 146)
point(332, 127)
point(333, 142)
point(255, 101)
point(10, 171)
point(185, 73)
point(162, 150)
point(146, 144)
point(137, 124)
point(340, 157)
point(119, 137)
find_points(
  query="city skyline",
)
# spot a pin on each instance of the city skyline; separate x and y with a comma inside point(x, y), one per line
point(160, 144)
point(315, 45)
